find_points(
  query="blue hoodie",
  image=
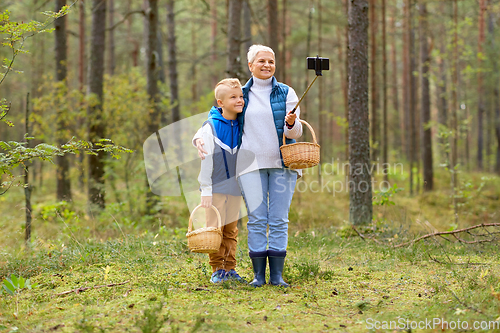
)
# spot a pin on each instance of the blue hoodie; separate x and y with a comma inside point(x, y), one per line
point(226, 138)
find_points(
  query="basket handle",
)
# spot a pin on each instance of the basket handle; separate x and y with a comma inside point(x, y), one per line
point(310, 128)
point(190, 226)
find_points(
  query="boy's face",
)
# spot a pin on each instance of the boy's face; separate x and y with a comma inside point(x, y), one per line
point(231, 100)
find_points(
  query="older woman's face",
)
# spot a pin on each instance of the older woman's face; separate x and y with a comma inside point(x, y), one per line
point(263, 66)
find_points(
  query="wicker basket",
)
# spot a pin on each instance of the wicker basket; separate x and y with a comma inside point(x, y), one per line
point(204, 240)
point(301, 155)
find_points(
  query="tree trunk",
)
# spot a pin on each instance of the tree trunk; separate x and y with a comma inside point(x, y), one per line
point(111, 38)
point(373, 85)
point(273, 32)
point(411, 91)
point(454, 110)
point(322, 112)
point(304, 108)
point(81, 45)
point(27, 185)
point(406, 83)
point(134, 44)
point(442, 93)
point(283, 52)
point(233, 65)
point(345, 83)
point(425, 100)
point(385, 142)
point(399, 135)
point(247, 34)
point(496, 84)
point(81, 82)
point(172, 63)
point(360, 190)
point(480, 102)
point(152, 66)
point(213, 40)
point(97, 129)
point(63, 180)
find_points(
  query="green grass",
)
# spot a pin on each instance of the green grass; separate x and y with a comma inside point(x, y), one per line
point(339, 282)
point(335, 281)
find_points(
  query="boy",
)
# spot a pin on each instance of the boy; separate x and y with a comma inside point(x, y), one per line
point(217, 178)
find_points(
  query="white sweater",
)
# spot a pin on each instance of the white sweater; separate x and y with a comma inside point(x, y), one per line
point(259, 132)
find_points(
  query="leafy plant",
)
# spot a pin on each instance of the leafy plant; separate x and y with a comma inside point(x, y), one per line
point(152, 320)
point(14, 284)
point(13, 287)
point(383, 197)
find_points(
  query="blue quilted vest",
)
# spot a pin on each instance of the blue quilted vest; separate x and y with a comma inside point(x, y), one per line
point(278, 97)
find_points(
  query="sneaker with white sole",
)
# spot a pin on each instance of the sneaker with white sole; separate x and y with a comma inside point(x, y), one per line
point(232, 275)
point(219, 276)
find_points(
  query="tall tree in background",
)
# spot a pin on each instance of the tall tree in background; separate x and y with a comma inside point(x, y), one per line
point(63, 181)
point(172, 63)
point(345, 81)
point(406, 82)
point(454, 110)
point(213, 40)
point(425, 102)
point(360, 190)
point(97, 129)
point(480, 101)
point(283, 64)
point(321, 116)
point(81, 81)
point(496, 83)
point(399, 136)
point(410, 91)
point(273, 32)
point(152, 66)
point(81, 46)
point(111, 38)
point(385, 142)
point(441, 87)
point(152, 73)
point(233, 65)
point(247, 34)
point(373, 77)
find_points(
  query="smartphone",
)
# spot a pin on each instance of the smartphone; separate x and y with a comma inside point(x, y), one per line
point(318, 64)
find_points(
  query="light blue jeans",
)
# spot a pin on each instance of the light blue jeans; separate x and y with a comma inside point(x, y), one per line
point(268, 195)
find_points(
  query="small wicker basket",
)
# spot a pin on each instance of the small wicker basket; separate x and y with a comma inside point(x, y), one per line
point(301, 155)
point(204, 240)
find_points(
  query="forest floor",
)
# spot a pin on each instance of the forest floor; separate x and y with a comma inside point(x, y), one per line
point(149, 280)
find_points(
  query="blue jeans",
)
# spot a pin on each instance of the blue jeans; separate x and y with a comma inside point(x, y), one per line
point(268, 195)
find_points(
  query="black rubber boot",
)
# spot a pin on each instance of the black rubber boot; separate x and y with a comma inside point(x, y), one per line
point(276, 264)
point(259, 262)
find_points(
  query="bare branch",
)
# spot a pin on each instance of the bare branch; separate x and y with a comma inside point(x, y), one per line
point(78, 290)
point(125, 18)
point(482, 225)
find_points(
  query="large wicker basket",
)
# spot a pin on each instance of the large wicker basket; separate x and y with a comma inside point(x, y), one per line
point(204, 240)
point(301, 155)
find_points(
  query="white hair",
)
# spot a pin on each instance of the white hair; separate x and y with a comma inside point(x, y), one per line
point(256, 48)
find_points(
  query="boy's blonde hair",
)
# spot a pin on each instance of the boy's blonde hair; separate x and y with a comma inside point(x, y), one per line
point(229, 83)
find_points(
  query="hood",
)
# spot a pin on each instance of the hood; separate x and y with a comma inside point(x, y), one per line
point(226, 131)
point(216, 114)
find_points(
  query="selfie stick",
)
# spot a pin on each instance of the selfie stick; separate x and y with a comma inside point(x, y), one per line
point(318, 73)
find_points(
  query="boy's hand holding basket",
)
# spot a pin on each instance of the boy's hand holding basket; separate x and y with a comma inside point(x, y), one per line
point(207, 239)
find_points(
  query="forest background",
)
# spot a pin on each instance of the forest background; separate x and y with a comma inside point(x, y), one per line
point(432, 98)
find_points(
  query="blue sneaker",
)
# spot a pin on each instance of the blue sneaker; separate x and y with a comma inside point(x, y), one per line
point(232, 275)
point(219, 276)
